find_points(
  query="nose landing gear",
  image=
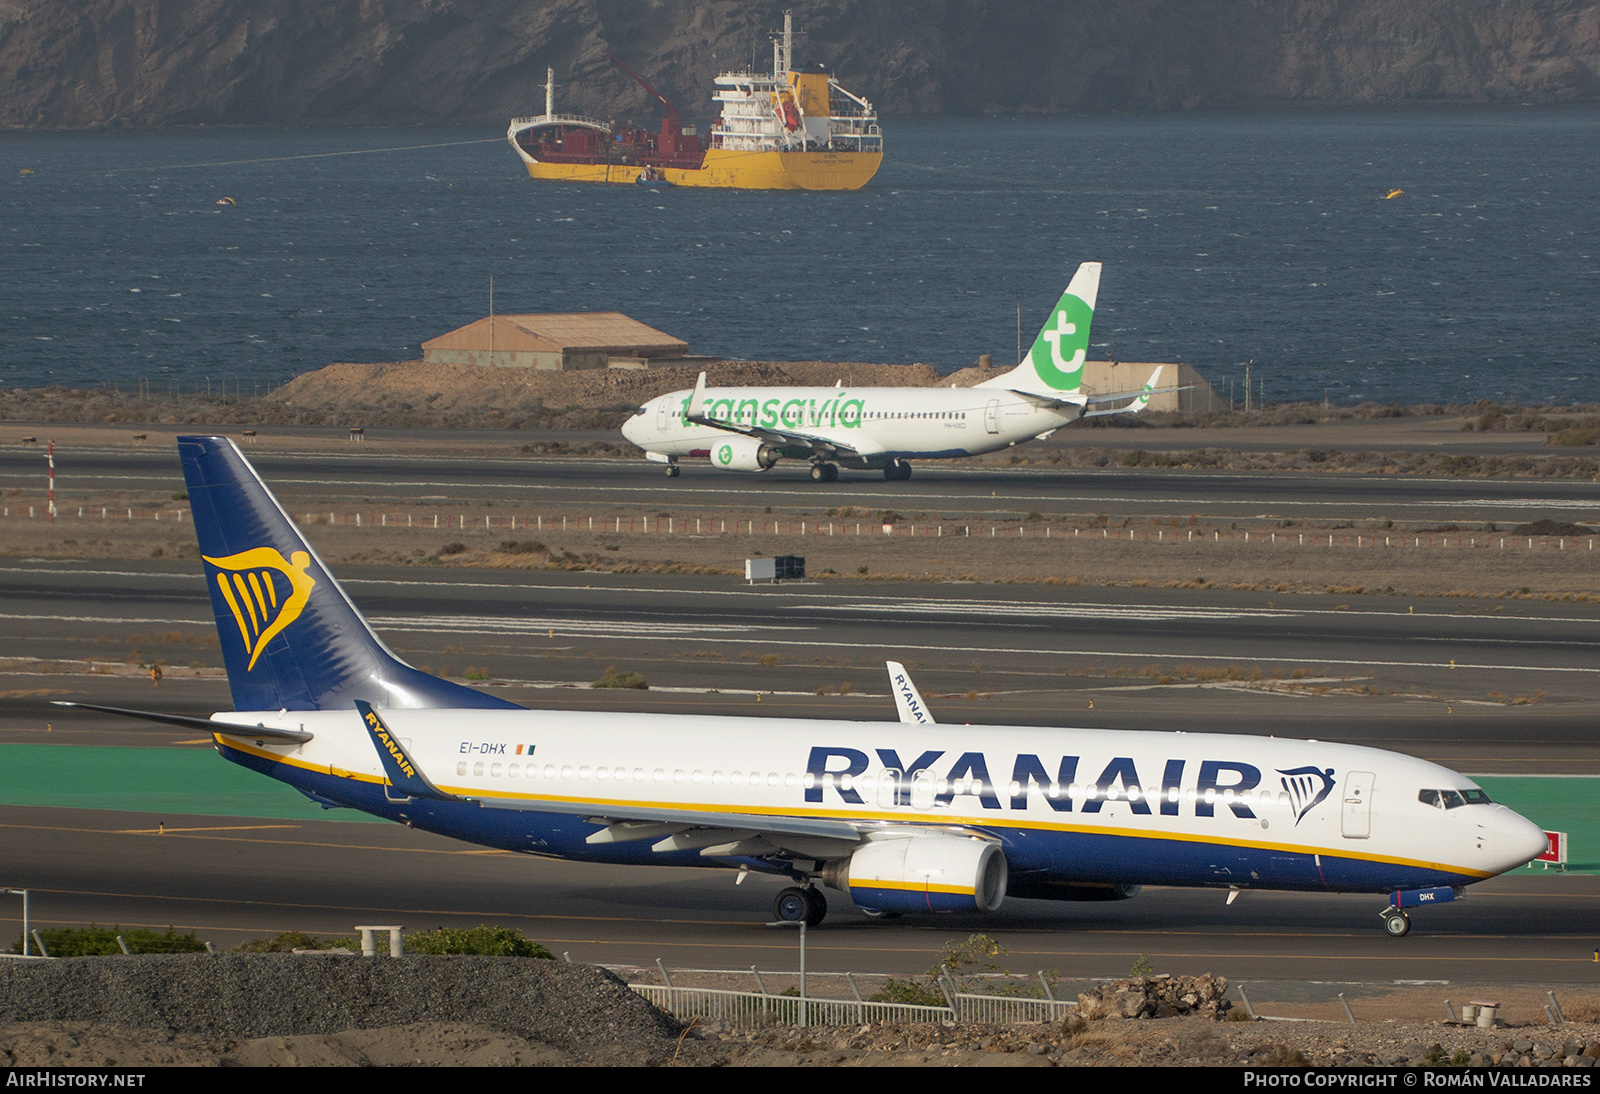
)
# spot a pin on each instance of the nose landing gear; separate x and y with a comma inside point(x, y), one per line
point(1396, 923)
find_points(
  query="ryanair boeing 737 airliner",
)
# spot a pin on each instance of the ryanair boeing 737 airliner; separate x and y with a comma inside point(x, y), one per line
point(912, 817)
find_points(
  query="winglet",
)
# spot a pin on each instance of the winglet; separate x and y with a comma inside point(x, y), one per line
point(1138, 400)
point(1144, 396)
point(404, 774)
point(697, 401)
point(907, 699)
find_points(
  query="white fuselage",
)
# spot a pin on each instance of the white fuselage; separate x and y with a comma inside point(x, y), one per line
point(1066, 805)
point(878, 424)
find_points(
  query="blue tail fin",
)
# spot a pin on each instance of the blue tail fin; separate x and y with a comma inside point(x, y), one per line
point(291, 638)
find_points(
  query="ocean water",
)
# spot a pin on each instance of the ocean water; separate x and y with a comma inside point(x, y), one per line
point(1224, 238)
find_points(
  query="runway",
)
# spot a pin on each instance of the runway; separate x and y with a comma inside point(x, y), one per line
point(1380, 672)
point(229, 879)
point(952, 491)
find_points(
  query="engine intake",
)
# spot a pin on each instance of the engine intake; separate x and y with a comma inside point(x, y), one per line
point(743, 454)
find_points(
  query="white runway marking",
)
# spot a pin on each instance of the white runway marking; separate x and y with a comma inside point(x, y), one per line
point(903, 498)
point(208, 623)
point(595, 628)
point(817, 600)
point(1063, 611)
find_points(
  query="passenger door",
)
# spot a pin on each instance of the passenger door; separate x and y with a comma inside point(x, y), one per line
point(1356, 814)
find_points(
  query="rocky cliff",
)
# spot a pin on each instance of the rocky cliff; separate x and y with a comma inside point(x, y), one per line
point(87, 63)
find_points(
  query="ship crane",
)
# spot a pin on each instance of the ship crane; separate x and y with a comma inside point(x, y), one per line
point(672, 111)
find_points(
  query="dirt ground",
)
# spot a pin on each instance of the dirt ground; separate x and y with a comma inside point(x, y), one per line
point(1400, 1027)
point(1177, 551)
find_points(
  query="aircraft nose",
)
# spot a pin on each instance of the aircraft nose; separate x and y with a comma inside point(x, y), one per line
point(1517, 839)
point(633, 428)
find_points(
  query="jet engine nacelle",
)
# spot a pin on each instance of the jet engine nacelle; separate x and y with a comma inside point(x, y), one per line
point(935, 873)
point(743, 454)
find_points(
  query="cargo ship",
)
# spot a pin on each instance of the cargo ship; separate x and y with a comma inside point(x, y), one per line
point(783, 130)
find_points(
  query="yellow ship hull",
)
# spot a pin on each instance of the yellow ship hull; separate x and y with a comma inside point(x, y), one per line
point(729, 170)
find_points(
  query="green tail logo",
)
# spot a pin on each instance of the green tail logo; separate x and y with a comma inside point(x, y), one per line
point(1061, 348)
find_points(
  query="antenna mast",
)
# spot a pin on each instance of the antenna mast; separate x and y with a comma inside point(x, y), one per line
point(783, 48)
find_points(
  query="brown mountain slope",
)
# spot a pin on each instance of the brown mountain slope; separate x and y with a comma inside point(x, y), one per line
point(84, 63)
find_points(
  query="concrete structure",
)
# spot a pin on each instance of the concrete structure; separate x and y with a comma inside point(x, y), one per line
point(574, 340)
point(1105, 376)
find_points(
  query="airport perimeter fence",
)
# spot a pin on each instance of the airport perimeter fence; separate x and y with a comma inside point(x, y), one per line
point(614, 525)
point(749, 1009)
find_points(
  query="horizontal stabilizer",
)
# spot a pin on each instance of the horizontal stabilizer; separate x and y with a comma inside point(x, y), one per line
point(187, 721)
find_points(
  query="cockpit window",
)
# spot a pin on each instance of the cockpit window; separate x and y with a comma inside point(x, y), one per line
point(641, 410)
point(1452, 799)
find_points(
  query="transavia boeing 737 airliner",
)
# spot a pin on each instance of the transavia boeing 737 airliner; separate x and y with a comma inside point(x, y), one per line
point(912, 817)
point(751, 428)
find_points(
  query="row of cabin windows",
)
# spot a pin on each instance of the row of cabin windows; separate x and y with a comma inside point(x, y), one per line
point(869, 783)
point(623, 774)
point(879, 415)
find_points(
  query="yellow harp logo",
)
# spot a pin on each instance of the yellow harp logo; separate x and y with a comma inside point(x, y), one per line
point(265, 592)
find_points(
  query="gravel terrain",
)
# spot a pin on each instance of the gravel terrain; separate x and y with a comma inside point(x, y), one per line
point(580, 1012)
point(281, 1010)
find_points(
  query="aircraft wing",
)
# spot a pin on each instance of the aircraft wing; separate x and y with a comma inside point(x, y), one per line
point(624, 818)
point(713, 834)
point(778, 438)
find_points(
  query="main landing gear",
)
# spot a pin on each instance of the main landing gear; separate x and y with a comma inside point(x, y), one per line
point(1396, 924)
point(824, 472)
point(898, 471)
point(795, 905)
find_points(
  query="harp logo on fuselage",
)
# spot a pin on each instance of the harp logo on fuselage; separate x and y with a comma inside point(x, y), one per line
point(264, 591)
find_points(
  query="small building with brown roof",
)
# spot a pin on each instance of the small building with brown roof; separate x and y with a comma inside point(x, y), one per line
point(562, 341)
